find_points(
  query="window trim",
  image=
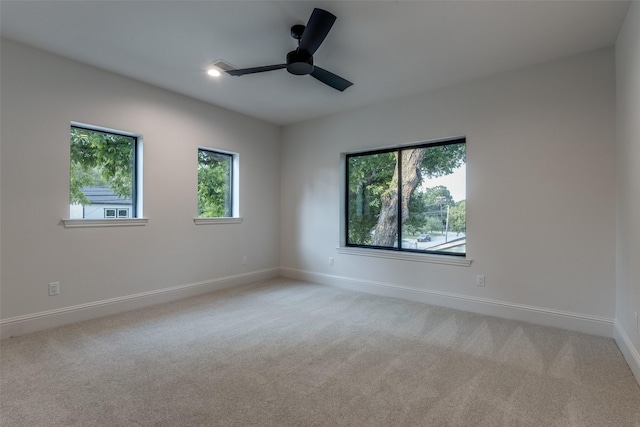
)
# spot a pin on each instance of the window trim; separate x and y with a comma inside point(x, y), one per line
point(136, 192)
point(235, 217)
point(221, 220)
point(116, 222)
point(413, 256)
point(383, 251)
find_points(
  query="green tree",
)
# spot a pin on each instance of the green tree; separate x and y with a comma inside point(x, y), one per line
point(457, 217)
point(418, 214)
point(373, 190)
point(427, 209)
point(417, 163)
point(214, 184)
point(100, 159)
point(433, 224)
point(437, 199)
point(369, 176)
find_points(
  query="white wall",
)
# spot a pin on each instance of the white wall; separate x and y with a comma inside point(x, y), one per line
point(540, 191)
point(540, 194)
point(628, 187)
point(41, 95)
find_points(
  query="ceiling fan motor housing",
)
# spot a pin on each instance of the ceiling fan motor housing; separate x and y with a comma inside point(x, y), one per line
point(299, 63)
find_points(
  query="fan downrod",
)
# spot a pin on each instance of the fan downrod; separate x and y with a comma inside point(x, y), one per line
point(299, 62)
point(297, 30)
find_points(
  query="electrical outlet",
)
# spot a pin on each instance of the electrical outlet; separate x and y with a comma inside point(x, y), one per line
point(331, 261)
point(244, 260)
point(54, 288)
point(480, 280)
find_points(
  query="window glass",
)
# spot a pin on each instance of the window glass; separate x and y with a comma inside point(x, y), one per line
point(370, 176)
point(102, 173)
point(215, 181)
point(412, 195)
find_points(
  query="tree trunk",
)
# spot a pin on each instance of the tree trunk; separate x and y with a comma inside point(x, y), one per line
point(386, 231)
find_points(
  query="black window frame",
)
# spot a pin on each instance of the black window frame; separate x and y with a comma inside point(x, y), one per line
point(397, 149)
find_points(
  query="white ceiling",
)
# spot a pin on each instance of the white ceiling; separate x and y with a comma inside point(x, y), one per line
point(386, 48)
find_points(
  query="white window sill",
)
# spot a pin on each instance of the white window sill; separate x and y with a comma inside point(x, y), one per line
point(207, 221)
point(120, 222)
point(406, 256)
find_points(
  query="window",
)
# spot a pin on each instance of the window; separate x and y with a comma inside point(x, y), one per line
point(103, 180)
point(111, 213)
point(215, 183)
point(411, 198)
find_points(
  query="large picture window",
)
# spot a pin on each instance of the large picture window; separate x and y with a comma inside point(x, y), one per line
point(102, 178)
point(411, 198)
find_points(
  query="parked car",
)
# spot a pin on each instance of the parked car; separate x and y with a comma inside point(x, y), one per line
point(424, 238)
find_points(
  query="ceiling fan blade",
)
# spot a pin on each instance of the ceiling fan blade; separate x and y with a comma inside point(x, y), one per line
point(317, 29)
point(243, 71)
point(330, 79)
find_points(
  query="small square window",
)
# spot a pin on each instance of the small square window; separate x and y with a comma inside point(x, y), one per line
point(109, 213)
point(123, 213)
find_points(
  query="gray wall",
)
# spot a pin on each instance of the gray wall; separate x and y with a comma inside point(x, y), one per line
point(540, 194)
point(628, 187)
point(41, 95)
point(544, 223)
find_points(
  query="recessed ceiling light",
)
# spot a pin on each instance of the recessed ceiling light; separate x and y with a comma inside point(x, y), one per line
point(218, 67)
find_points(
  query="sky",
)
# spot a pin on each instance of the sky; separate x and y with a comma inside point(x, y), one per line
point(455, 182)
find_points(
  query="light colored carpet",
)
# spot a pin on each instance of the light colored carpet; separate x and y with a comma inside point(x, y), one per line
point(287, 353)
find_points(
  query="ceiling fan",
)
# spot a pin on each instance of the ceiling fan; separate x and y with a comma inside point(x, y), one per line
point(300, 60)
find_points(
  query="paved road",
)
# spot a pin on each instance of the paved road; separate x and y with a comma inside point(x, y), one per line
point(435, 240)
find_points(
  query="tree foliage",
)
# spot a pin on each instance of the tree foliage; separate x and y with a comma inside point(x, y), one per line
point(427, 209)
point(398, 195)
point(457, 217)
point(374, 193)
point(100, 159)
point(418, 216)
point(443, 159)
point(435, 198)
point(214, 184)
point(369, 177)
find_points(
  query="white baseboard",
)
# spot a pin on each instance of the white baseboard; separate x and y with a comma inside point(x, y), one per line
point(21, 325)
point(588, 324)
point(630, 353)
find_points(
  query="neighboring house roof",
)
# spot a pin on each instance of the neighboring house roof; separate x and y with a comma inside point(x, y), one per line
point(104, 196)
